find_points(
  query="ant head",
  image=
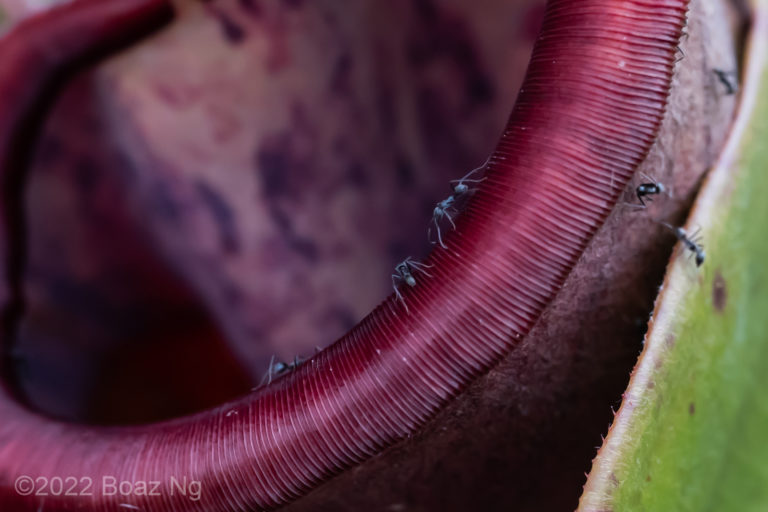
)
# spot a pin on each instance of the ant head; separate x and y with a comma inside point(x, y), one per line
point(699, 257)
point(461, 188)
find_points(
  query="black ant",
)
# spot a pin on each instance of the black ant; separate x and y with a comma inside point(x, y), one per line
point(690, 242)
point(649, 188)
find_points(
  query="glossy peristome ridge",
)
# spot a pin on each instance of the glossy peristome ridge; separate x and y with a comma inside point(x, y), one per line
point(587, 113)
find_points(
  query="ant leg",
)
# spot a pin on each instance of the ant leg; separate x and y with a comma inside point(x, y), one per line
point(450, 219)
point(695, 236)
point(418, 264)
point(398, 296)
point(395, 281)
point(261, 382)
point(682, 54)
point(439, 234)
point(440, 238)
point(266, 375)
point(473, 171)
point(640, 197)
point(465, 180)
point(420, 267)
point(269, 372)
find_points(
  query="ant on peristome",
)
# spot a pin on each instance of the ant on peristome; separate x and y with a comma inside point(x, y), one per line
point(277, 368)
point(404, 273)
point(449, 206)
point(445, 209)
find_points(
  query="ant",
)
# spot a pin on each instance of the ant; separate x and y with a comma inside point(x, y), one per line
point(404, 272)
point(650, 188)
point(724, 77)
point(690, 242)
point(447, 208)
point(277, 368)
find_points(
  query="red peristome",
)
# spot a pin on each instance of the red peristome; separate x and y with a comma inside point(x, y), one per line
point(587, 113)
